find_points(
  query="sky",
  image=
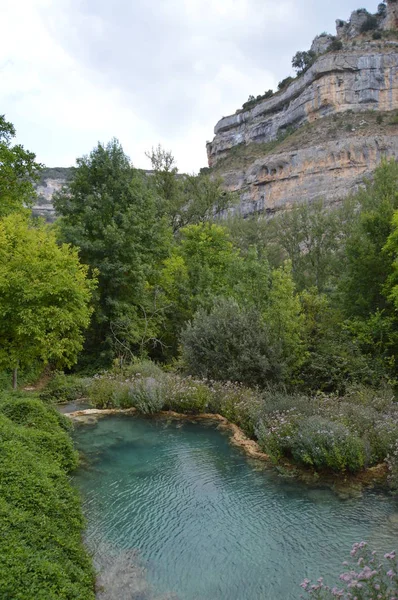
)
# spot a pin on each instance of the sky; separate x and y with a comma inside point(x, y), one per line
point(149, 72)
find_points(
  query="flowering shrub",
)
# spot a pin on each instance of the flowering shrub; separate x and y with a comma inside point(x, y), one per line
point(366, 578)
point(277, 432)
point(326, 445)
point(146, 394)
point(186, 395)
point(320, 431)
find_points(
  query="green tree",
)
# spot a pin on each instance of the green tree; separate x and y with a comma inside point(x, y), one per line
point(18, 171)
point(44, 297)
point(302, 61)
point(367, 267)
point(186, 199)
point(197, 270)
point(110, 213)
point(231, 343)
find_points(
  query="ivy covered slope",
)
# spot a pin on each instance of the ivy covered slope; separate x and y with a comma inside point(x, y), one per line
point(41, 551)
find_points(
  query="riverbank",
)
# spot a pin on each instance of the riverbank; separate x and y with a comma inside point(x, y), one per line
point(344, 484)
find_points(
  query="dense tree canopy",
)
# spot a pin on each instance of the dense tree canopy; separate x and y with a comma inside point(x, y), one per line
point(44, 296)
point(18, 171)
point(110, 213)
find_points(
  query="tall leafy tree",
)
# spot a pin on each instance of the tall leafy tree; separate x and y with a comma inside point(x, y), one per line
point(186, 199)
point(367, 267)
point(110, 213)
point(44, 296)
point(18, 172)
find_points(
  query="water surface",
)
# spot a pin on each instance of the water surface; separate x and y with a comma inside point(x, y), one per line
point(208, 523)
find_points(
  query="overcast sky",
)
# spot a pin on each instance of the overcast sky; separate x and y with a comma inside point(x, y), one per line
point(74, 72)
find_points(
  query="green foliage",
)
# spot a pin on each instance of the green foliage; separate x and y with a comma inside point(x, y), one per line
point(186, 199)
point(41, 550)
point(252, 101)
point(335, 45)
point(251, 345)
point(370, 24)
point(44, 296)
point(349, 433)
point(302, 61)
point(111, 214)
point(231, 343)
point(106, 392)
point(326, 445)
point(285, 83)
point(18, 172)
point(197, 271)
point(64, 388)
point(367, 282)
point(334, 360)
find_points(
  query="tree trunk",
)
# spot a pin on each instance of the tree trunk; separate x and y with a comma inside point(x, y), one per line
point(15, 378)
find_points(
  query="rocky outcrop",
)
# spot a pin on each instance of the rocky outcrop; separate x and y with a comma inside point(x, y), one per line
point(52, 180)
point(328, 170)
point(355, 80)
point(358, 81)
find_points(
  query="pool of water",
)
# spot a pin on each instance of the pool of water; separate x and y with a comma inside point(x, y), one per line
point(203, 522)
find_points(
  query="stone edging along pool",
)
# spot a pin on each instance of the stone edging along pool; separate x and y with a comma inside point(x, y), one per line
point(370, 476)
point(238, 438)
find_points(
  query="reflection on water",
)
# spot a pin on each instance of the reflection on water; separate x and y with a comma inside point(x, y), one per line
point(182, 513)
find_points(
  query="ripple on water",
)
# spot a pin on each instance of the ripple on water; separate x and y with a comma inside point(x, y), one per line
point(180, 510)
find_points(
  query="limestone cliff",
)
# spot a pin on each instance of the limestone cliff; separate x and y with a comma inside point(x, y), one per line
point(327, 130)
point(51, 181)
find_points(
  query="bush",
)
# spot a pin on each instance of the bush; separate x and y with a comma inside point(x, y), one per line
point(392, 463)
point(187, 395)
point(107, 392)
point(285, 83)
point(377, 35)
point(146, 395)
point(41, 550)
point(302, 61)
point(324, 444)
point(366, 577)
point(335, 45)
point(230, 344)
point(64, 388)
point(370, 24)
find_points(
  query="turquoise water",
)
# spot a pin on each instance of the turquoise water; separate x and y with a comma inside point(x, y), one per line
point(207, 523)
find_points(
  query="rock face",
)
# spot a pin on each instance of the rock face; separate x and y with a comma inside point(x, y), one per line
point(361, 81)
point(52, 180)
point(327, 170)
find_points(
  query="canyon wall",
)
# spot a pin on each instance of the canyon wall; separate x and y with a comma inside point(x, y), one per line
point(321, 135)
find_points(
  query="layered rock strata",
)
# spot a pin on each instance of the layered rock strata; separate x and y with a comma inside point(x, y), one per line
point(359, 79)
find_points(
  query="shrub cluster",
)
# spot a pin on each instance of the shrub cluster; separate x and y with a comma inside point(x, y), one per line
point(322, 432)
point(366, 576)
point(41, 524)
point(337, 434)
point(62, 388)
